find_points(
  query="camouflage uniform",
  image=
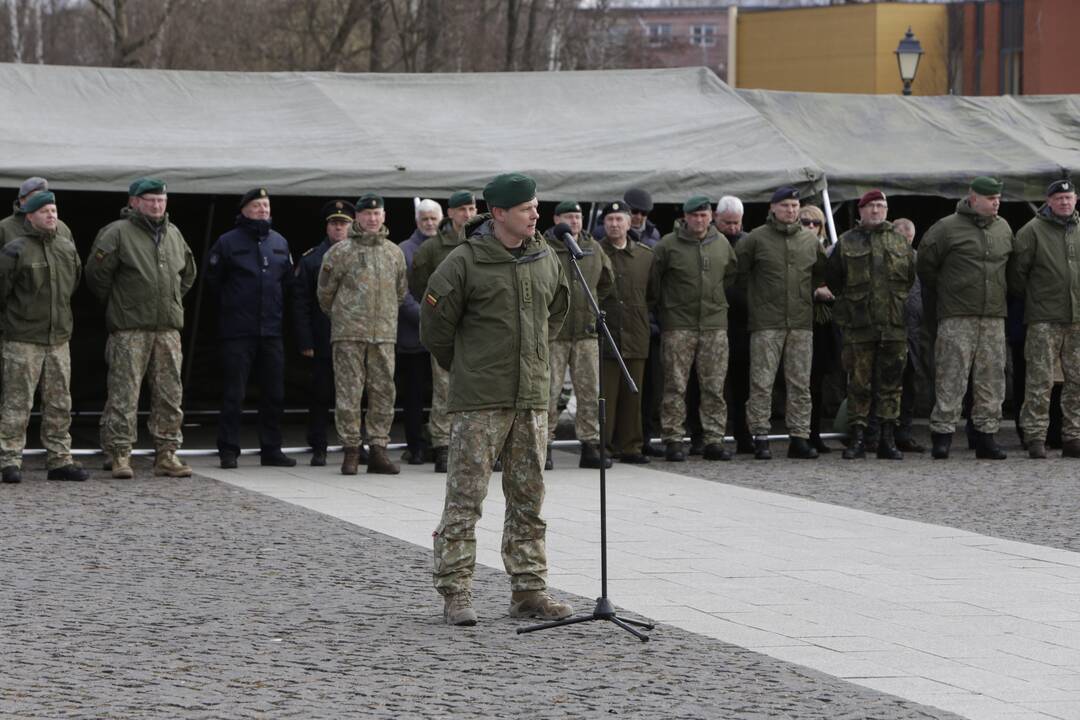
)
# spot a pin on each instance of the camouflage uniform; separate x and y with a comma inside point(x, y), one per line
point(361, 285)
point(438, 418)
point(583, 359)
point(1046, 345)
point(966, 346)
point(767, 347)
point(681, 349)
point(132, 355)
point(475, 437)
point(24, 365)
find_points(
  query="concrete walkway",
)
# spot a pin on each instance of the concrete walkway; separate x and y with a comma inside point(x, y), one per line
point(975, 625)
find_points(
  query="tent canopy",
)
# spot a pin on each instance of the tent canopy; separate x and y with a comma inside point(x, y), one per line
point(582, 135)
point(929, 145)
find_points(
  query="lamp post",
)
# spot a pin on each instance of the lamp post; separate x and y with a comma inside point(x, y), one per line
point(908, 54)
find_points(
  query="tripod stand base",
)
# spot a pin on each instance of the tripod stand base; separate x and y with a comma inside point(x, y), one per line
point(604, 610)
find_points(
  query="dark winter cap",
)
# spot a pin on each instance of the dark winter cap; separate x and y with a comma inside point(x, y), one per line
point(508, 190)
point(638, 199)
point(29, 185)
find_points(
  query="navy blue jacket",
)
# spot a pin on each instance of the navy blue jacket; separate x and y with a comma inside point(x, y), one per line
point(250, 270)
point(311, 324)
point(408, 327)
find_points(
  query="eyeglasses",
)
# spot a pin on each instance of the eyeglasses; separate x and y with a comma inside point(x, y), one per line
point(807, 222)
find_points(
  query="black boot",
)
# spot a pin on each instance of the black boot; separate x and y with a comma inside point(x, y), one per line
point(906, 441)
point(590, 457)
point(856, 449)
point(318, 456)
point(273, 457)
point(799, 449)
point(549, 464)
point(986, 448)
point(12, 475)
point(71, 473)
point(674, 452)
point(697, 446)
point(442, 458)
point(886, 449)
point(942, 443)
point(716, 451)
point(818, 444)
point(761, 448)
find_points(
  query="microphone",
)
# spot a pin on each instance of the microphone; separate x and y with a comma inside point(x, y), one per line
point(562, 232)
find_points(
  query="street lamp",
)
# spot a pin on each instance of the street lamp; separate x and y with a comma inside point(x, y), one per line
point(908, 54)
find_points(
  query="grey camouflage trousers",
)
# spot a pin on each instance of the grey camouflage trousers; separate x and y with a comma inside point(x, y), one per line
point(476, 438)
point(582, 357)
point(679, 350)
point(132, 355)
point(357, 364)
point(1045, 346)
point(767, 349)
point(438, 418)
point(969, 346)
point(26, 365)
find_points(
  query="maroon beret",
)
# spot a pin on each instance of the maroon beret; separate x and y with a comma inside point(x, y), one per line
point(871, 197)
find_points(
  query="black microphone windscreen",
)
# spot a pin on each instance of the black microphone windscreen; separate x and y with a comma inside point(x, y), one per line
point(562, 229)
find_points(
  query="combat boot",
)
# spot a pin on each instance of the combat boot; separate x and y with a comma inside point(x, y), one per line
point(106, 463)
point(167, 464)
point(906, 442)
point(886, 449)
point(351, 461)
point(942, 443)
point(1070, 448)
point(1037, 450)
point(856, 449)
point(716, 451)
point(674, 452)
point(549, 464)
point(590, 457)
point(227, 458)
point(761, 448)
point(538, 604)
point(442, 459)
point(273, 457)
point(318, 457)
point(799, 449)
point(986, 448)
point(379, 462)
point(121, 466)
point(458, 609)
point(11, 475)
point(819, 444)
point(70, 472)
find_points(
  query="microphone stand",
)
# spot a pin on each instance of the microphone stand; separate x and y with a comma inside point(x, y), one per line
point(604, 609)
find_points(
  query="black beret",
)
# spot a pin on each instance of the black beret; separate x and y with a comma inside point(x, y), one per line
point(615, 207)
point(253, 194)
point(638, 199)
point(1060, 186)
point(785, 193)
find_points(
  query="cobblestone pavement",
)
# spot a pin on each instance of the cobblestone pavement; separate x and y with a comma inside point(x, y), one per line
point(193, 599)
point(1035, 501)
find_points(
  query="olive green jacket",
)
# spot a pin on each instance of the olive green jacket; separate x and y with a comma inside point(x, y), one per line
point(580, 323)
point(780, 265)
point(870, 272)
point(686, 288)
point(15, 225)
point(487, 316)
point(431, 254)
point(626, 308)
point(141, 271)
point(1045, 268)
point(962, 260)
point(39, 272)
point(361, 284)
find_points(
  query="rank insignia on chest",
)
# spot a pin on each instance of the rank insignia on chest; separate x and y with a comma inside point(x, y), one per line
point(705, 263)
point(431, 300)
point(526, 291)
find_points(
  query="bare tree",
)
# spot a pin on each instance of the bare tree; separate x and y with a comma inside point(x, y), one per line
point(114, 14)
point(15, 28)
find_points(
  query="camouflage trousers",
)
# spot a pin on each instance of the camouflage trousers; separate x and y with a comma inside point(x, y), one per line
point(583, 359)
point(679, 350)
point(357, 364)
point(439, 419)
point(1048, 344)
point(863, 361)
point(476, 438)
point(26, 365)
point(975, 347)
point(132, 355)
point(767, 349)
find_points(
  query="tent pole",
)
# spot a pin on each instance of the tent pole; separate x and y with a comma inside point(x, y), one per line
point(829, 216)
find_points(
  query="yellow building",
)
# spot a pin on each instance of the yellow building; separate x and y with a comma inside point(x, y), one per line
point(843, 48)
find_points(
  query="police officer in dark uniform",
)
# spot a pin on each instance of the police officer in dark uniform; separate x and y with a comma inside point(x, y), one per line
point(251, 271)
point(313, 327)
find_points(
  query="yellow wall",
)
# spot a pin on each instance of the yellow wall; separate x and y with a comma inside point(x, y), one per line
point(847, 48)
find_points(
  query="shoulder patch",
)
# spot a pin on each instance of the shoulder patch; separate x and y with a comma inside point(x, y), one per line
point(431, 299)
point(100, 255)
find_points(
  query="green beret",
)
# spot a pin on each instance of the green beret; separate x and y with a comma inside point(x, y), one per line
point(38, 201)
point(253, 194)
point(506, 191)
point(461, 197)
point(698, 202)
point(983, 185)
point(369, 201)
point(144, 185)
point(567, 206)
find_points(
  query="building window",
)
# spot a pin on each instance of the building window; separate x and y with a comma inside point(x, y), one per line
point(703, 35)
point(659, 34)
point(1012, 47)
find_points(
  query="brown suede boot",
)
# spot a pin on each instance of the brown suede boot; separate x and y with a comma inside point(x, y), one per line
point(351, 461)
point(167, 464)
point(538, 604)
point(121, 466)
point(379, 462)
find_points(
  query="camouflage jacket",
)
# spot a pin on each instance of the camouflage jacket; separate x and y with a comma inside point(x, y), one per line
point(580, 322)
point(780, 265)
point(39, 272)
point(870, 272)
point(689, 278)
point(141, 271)
point(1045, 268)
point(962, 261)
point(361, 285)
point(487, 317)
